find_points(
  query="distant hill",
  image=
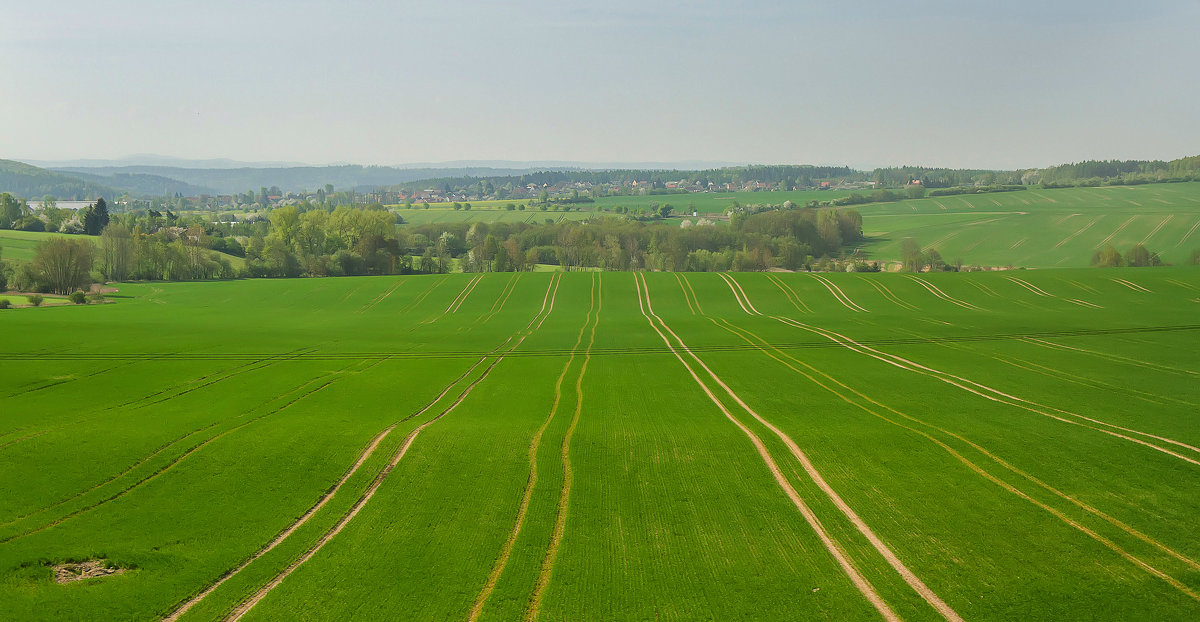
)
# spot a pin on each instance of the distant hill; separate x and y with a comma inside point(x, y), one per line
point(31, 182)
point(144, 184)
point(147, 159)
point(232, 180)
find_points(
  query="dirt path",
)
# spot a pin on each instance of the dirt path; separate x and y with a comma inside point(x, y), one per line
point(534, 445)
point(530, 328)
point(835, 549)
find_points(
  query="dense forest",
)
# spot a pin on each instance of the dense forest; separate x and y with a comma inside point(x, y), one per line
point(24, 180)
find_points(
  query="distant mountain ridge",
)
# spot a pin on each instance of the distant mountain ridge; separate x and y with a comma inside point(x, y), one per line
point(28, 181)
point(292, 179)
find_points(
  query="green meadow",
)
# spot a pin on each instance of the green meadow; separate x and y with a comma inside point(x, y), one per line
point(21, 244)
point(1041, 228)
point(565, 446)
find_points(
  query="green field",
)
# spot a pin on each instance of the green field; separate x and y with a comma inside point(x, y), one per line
point(1041, 228)
point(719, 202)
point(47, 301)
point(20, 244)
point(1020, 445)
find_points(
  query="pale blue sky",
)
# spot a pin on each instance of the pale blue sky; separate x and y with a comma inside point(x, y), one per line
point(866, 83)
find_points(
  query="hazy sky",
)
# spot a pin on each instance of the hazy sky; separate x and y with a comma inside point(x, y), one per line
point(867, 83)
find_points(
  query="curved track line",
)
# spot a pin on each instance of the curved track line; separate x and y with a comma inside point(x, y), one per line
point(790, 293)
point(249, 604)
point(464, 294)
point(1112, 235)
point(835, 549)
point(838, 293)
point(1111, 357)
point(909, 577)
point(1076, 234)
point(733, 280)
point(695, 298)
point(1131, 285)
point(1158, 228)
point(686, 297)
point(887, 293)
point(534, 444)
point(995, 395)
point(163, 469)
point(1088, 508)
point(1030, 286)
point(547, 308)
point(560, 522)
point(188, 604)
point(509, 287)
point(937, 291)
point(1188, 234)
point(736, 295)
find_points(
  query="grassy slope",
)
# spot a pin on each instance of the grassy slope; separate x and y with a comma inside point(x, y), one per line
point(1041, 228)
point(672, 512)
point(20, 245)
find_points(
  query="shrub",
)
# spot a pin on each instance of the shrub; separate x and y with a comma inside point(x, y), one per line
point(4, 303)
point(95, 298)
point(78, 298)
point(36, 300)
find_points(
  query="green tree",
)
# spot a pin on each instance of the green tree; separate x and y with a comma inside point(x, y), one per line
point(95, 217)
point(1139, 257)
point(910, 255)
point(64, 264)
point(1107, 257)
point(118, 252)
point(10, 210)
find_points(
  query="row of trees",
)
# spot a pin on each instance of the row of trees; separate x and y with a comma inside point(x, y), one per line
point(17, 214)
point(1136, 257)
point(354, 241)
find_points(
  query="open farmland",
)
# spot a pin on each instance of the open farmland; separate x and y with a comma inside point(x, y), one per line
point(1041, 228)
point(21, 244)
point(1020, 445)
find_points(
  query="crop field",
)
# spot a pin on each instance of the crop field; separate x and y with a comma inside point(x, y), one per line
point(20, 244)
point(1041, 228)
point(603, 446)
point(719, 202)
point(487, 214)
